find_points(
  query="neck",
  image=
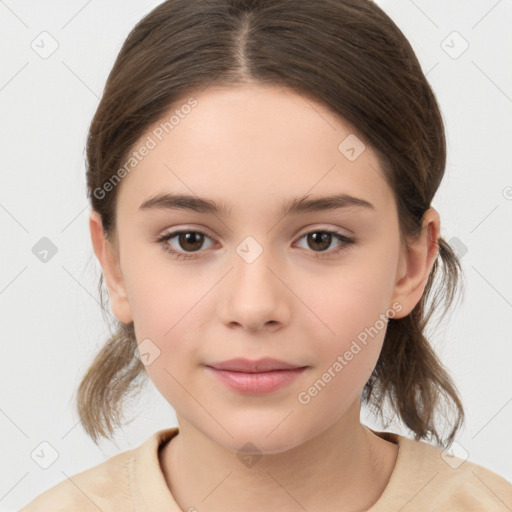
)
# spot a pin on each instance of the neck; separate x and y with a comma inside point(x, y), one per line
point(345, 464)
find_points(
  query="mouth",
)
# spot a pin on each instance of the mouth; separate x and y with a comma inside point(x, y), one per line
point(266, 364)
point(255, 377)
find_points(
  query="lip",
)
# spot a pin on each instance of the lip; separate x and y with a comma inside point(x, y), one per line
point(255, 377)
point(265, 364)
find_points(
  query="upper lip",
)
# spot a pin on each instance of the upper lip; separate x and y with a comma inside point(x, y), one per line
point(265, 364)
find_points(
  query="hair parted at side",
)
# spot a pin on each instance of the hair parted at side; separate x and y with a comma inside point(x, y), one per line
point(348, 55)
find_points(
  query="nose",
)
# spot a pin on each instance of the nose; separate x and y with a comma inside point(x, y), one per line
point(255, 295)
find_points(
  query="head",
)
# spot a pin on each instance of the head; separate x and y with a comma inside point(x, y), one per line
point(247, 107)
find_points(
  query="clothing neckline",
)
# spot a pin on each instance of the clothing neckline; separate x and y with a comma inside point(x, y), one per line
point(150, 491)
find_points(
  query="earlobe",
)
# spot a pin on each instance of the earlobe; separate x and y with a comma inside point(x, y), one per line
point(109, 261)
point(416, 264)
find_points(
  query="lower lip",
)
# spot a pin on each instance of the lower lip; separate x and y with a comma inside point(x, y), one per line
point(257, 383)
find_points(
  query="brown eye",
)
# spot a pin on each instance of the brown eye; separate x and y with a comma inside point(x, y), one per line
point(186, 243)
point(319, 240)
point(190, 240)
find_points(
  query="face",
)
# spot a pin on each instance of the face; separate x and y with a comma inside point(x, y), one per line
point(312, 287)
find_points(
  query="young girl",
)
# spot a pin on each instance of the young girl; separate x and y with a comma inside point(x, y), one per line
point(261, 177)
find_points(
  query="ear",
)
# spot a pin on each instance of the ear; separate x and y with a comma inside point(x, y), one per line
point(416, 263)
point(107, 255)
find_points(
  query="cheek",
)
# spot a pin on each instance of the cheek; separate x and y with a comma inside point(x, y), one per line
point(166, 304)
point(162, 293)
point(166, 308)
point(348, 329)
point(347, 302)
point(347, 351)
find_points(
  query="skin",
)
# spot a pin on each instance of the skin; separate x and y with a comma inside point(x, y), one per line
point(254, 147)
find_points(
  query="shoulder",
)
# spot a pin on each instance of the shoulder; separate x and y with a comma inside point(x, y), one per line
point(116, 485)
point(429, 478)
point(458, 482)
point(103, 487)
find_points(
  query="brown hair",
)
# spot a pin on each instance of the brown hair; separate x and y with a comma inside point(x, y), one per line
point(348, 55)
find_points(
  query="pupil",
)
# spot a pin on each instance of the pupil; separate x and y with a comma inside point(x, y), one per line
point(324, 237)
point(188, 238)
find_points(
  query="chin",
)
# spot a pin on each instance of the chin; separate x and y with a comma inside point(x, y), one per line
point(256, 439)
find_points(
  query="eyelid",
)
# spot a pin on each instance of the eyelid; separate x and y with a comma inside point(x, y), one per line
point(324, 227)
point(205, 231)
point(187, 228)
point(345, 241)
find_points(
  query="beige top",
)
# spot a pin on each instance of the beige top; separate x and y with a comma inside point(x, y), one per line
point(422, 481)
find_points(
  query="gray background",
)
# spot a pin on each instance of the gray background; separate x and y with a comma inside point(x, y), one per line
point(51, 321)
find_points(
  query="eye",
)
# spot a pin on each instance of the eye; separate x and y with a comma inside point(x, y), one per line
point(322, 239)
point(190, 240)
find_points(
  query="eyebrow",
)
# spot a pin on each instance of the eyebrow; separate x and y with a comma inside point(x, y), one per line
point(299, 205)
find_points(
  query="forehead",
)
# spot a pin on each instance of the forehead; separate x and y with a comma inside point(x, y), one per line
point(250, 146)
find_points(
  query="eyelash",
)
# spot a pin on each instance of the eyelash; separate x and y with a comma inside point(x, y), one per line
point(346, 242)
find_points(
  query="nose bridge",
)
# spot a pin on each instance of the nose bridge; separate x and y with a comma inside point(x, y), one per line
point(254, 295)
point(252, 263)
